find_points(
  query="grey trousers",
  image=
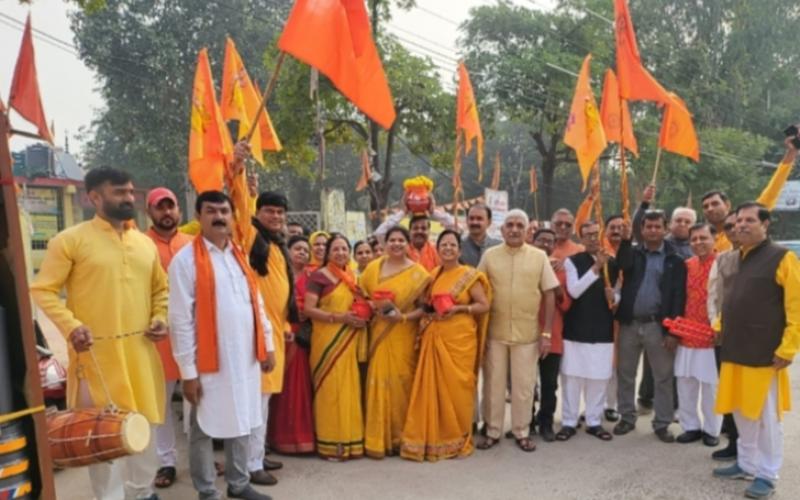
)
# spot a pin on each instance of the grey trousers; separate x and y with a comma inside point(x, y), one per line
point(201, 462)
point(633, 338)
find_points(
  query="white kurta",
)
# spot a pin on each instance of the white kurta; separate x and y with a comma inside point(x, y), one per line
point(230, 403)
point(696, 363)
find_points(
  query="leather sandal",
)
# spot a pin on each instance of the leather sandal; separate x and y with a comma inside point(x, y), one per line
point(565, 433)
point(488, 443)
point(600, 433)
point(526, 444)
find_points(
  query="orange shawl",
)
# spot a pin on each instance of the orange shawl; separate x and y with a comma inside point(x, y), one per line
point(427, 257)
point(205, 309)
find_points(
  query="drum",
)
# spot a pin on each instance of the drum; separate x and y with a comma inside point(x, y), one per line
point(91, 435)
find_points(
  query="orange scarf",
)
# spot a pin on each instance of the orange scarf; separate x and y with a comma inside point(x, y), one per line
point(427, 257)
point(205, 309)
point(346, 276)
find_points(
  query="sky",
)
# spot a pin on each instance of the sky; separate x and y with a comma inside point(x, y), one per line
point(68, 87)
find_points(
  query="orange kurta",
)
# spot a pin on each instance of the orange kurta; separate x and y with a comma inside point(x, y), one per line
point(167, 248)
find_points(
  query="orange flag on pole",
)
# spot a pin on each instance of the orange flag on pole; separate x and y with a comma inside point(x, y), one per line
point(24, 96)
point(677, 130)
point(240, 101)
point(615, 115)
point(366, 172)
point(210, 147)
point(335, 37)
point(584, 131)
point(467, 120)
point(635, 82)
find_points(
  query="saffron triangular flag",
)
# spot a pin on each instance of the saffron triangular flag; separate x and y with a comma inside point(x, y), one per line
point(615, 115)
point(635, 82)
point(677, 130)
point(467, 119)
point(210, 147)
point(584, 132)
point(366, 172)
point(24, 96)
point(335, 37)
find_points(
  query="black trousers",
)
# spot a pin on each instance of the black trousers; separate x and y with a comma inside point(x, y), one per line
point(548, 388)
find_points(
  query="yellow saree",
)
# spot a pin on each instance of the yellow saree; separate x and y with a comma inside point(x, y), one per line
point(392, 358)
point(439, 421)
point(338, 418)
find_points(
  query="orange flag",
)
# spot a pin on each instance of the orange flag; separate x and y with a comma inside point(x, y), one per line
point(240, 101)
point(24, 96)
point(677, 130)
point(335, 37)
point(584, 131)
point(366, 172)
point(615, 115)
point(496, 172)
point(210, 147)
point(635, 82)
point(467, 120)
point(534, 180)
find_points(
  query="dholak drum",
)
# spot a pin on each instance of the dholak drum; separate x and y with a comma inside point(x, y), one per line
point(91, 435)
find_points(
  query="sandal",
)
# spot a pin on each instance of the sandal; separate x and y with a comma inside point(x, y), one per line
point(565, 433)
point(600, 433)
point(488, 443)
point(526, 444)
point(165, 477)
point(220, 468)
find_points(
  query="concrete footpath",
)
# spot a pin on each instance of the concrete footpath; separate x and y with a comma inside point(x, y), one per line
point(636, 466)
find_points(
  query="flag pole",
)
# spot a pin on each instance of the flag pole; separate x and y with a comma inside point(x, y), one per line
point(655, 169)
point(267, 92)
point(536, 204)
point(623, 178)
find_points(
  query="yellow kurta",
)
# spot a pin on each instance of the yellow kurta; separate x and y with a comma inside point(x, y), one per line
point(392, 358)
point(745, 388)
point(338, 418)
point(116, 287)
point(768, 197)
point(274, 286)
point(439, 420)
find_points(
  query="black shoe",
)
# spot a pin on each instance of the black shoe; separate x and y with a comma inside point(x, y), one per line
point(690, 437)
point(546, 431)
point(664, 435)
point(727, 454)
point(710, 440)
point(272, 464)
point(623, 428)
point(509, 435)
point(482, 429)
point(263, 478)
point(645, 407)
point(611, 415)
point(248, 493)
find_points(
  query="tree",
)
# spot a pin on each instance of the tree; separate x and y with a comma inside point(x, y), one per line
point(144, 52)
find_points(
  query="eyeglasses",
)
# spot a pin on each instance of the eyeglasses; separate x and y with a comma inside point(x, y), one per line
point(563, 223)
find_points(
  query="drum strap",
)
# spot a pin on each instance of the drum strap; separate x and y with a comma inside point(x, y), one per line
point(102, 378)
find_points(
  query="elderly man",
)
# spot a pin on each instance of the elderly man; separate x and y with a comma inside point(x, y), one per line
point(476, 242)
point(521, 277)
point(760, 337)
point(562, 223)
point(165, 214)
point(114, 316)
point(654, 288)
point(222, 340)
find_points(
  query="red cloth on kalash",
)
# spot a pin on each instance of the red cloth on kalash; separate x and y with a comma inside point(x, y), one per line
point(290, 429)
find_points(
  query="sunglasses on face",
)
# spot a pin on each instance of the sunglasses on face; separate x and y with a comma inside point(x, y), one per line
point(563, 223)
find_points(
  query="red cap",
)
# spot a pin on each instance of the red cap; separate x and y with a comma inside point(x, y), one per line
point(155, 196)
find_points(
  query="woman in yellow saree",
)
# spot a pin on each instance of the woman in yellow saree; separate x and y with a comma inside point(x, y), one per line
point(336, 335)
point(439, 420)
point(395, 284)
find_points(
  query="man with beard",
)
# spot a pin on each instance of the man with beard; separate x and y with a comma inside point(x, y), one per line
point(262, 236)
point(479, 218)
point(165, 214)
point(562, 223)
point(222, 341)
point(116, 306)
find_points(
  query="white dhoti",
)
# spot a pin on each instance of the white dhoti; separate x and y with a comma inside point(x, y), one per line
point(585, 368)
point(697, 380)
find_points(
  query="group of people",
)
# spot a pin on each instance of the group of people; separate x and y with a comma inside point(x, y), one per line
point(302, 343)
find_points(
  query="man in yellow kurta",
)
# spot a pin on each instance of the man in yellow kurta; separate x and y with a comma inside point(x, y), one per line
point(760, 337)
point(716, 205)
point(262, 236)
point(116, 306)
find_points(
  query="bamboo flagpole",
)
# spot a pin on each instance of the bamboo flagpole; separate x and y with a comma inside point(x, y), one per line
point(655, 168)
point(265, 98)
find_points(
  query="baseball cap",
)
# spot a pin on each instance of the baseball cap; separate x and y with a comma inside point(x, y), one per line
point(155, 196)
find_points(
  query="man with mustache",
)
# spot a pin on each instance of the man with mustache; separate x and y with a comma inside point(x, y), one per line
point(222, 341)
point(474, 243)
point(615, 231)
point(116, 306)
point(165, 215)
point(563, 223)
